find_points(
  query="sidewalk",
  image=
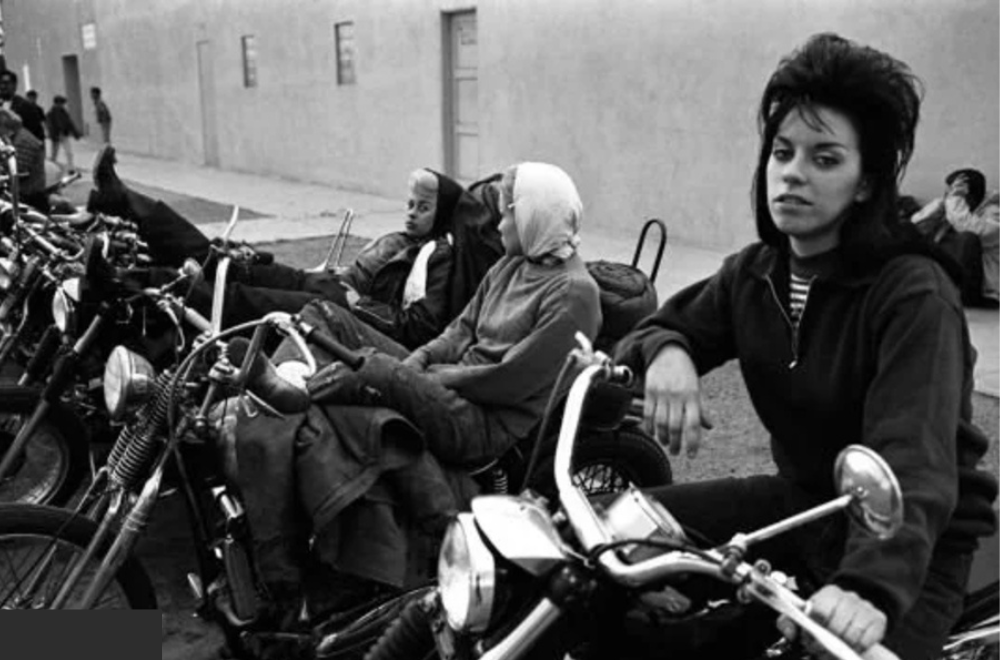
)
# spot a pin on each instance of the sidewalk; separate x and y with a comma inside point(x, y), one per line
point(299, 210)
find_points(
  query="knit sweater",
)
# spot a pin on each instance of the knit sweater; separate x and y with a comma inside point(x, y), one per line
point(881, 358)
point(506, 348)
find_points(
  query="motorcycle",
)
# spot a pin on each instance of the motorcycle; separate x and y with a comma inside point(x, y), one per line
point(55, 558)
point(518, 578)
point(181, 430)
point(36, 258)
point(53, 416)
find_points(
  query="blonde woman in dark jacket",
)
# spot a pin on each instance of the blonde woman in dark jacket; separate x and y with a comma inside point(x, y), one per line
point(400, 283)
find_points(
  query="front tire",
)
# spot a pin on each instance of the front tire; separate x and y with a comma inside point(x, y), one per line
point(28, 532)
point(55, 457)
point(606, 462)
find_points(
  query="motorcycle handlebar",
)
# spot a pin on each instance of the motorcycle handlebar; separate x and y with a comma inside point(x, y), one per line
point(784, 601)
point(49, 247)
point(592, 531)
point(340, 352)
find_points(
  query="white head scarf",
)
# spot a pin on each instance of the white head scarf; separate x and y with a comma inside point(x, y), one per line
point(547, 211)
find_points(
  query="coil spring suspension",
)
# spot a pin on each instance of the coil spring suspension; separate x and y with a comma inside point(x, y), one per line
point(500, 481)
point(136, 445)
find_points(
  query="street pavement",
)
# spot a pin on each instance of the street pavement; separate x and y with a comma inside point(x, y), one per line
point(294, 210)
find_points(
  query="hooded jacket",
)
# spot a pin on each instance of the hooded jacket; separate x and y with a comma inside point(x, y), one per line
point(881, 358)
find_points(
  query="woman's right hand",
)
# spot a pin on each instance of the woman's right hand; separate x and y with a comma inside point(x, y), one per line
point(672, 409)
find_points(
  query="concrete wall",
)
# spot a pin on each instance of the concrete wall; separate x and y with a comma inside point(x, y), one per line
point(37, 34)
point(648, 104)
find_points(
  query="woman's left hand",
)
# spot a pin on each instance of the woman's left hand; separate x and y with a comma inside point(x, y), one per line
point(844, 613)
point(352, 296)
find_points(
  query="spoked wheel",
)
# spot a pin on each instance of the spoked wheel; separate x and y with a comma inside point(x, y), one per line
point(55, 458)
point(38, 547)
point(608, 461)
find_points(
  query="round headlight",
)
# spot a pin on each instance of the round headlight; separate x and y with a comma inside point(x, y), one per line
point(466, 576)
point(128, 381)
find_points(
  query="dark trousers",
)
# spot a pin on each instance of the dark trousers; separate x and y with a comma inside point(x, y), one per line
point(720, 508)
point(458, 432)
point(252, 291)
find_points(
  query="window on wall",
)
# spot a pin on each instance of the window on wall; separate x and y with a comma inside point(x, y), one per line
point(344, 33)
point(249, 43)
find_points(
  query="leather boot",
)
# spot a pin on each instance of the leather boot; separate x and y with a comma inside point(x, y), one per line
point(265, 382)
point(109, 193)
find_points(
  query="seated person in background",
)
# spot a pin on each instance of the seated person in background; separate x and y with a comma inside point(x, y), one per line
point(403, 283)
point(965, 207)
point(30, 160)
point(363, 466)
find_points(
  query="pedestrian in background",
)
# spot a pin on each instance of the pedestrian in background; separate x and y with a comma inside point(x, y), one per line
point(30, 159)
point(38, 114)
point(33, 121)
point(102, 114)
point(62, 131)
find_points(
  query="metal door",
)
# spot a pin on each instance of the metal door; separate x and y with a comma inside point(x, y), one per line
point(461, 101)
point(71, 83)
point(206, 87)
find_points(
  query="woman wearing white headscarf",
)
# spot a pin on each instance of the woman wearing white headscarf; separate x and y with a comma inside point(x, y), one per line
point(483, 383)
point(369, 452)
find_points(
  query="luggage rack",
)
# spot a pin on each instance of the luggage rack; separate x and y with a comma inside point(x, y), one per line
point(641, 243)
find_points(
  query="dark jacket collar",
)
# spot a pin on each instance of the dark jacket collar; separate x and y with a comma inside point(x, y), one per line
point(766, 260)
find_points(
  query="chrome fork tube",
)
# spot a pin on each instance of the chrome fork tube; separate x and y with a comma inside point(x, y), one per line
point(132, 528)
point(524, 636)
point(91, 550)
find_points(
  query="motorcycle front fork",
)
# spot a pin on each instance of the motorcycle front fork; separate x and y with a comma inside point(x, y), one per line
point(63, 374)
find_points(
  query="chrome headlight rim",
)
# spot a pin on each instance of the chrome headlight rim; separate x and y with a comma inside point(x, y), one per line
point(467, 576)
point(128, 381)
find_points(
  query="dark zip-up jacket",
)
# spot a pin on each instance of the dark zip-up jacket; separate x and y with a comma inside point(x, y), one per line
point(379, 274)
point(881, 358)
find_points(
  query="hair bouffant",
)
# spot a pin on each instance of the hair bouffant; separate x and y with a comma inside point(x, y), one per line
point(879, 95)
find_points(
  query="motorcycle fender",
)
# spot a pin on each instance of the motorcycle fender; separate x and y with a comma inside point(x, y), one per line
point(521, 531)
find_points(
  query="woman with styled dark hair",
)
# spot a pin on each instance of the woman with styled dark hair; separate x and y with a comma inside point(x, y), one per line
point(846, 331)
point(881, 99)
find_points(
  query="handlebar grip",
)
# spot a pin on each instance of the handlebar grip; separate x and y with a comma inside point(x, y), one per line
point(333, 347)
point(264, 258)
